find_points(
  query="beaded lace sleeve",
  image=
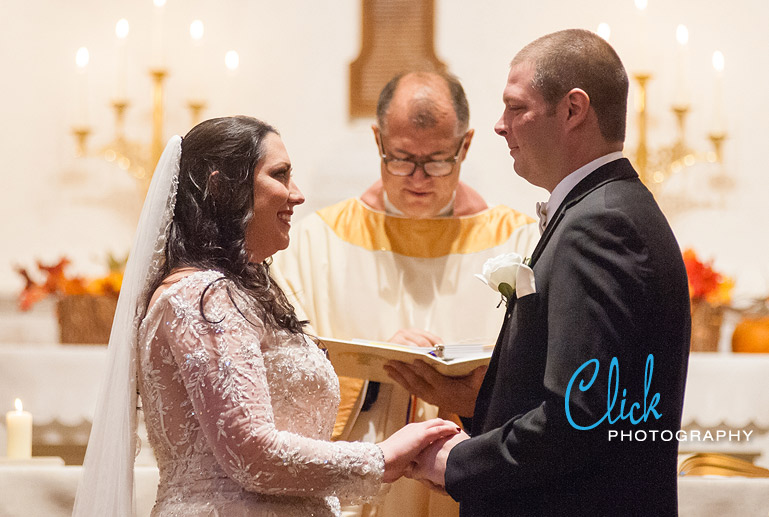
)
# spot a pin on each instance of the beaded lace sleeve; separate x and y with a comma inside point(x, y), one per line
point(223, 362)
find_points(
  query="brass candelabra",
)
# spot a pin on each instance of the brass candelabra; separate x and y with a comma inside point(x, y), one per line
point(135, 157)
point(656, 167)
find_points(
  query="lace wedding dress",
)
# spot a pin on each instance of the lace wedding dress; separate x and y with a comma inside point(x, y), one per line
point(239, 413)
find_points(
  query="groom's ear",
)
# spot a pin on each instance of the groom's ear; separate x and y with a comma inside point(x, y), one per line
point(578, 105)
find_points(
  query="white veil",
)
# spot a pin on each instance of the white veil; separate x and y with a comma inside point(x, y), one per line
point(107, 485)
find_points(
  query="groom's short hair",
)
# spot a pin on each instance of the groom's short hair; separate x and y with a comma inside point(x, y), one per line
point(578, 58)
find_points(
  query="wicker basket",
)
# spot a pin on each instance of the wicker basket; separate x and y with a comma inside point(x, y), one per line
point(706, 326)
point(85, 319)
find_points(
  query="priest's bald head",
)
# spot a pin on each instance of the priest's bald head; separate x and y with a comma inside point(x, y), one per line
point(422, 135)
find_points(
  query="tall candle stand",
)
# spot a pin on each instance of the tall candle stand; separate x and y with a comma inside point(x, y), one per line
point(158, 76)
point(717, 139)
point(81, 140)
point(128, 155)
point(136, 158)
point(642, 151)
point(656, 167)
point(196, 108)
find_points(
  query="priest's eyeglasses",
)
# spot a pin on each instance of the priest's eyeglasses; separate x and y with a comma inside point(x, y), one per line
point(434, 168)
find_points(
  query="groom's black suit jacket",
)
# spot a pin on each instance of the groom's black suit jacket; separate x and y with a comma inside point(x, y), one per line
point(610, 282)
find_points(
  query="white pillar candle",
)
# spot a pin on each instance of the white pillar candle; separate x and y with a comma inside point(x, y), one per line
point(719, 122)
point(644, 55)
point(196, 43)
point(19, 428)
point(604, 30)
point(231, 61)
point(121, 31)
point(681, 95)
point(158, 57)
point(82, 57)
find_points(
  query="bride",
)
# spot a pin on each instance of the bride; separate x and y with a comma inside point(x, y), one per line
point(239, 402)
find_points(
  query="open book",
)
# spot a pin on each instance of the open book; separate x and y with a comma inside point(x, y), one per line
point(715, 464)
point(365, 359)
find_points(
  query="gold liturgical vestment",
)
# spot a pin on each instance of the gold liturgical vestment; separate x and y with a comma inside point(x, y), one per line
point(355, 272)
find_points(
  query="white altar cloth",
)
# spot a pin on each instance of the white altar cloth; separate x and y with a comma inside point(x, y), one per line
point(54, 382)
point(29, 490)
point(727, 389)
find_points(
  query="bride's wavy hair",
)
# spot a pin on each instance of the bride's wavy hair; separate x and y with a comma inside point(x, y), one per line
point(212, 212)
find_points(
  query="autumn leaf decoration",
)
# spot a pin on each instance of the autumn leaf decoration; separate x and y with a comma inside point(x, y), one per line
point(52, 280)
point(704, 282)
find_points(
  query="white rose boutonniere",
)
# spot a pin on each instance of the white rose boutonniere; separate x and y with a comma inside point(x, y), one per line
point(501, 274)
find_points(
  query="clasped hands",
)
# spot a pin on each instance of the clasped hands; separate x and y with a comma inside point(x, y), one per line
point(451, 394)
point(419, 451)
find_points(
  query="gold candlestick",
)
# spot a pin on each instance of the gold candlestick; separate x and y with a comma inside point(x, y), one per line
point(81, 136)
point(717, 139)
point(158, 76)
point(120, 106)
point(680, 150)
point(196, 106)
point(642, 152)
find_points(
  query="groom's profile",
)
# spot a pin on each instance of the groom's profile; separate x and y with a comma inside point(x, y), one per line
point(580, 406)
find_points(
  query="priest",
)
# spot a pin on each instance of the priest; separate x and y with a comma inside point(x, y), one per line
point(398, 263)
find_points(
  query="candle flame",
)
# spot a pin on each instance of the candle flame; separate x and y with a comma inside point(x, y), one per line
point(232, 60)
point(196, 30)
point(641, 4)
point(121, 28)
point(82, 57)
point(682, 34)
point(17, 404)
point(604, 30)
point(718, 61)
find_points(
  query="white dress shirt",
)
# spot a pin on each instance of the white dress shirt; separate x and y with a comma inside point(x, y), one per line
point(546, 210)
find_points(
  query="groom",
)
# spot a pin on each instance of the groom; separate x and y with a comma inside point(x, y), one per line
point(578, 411)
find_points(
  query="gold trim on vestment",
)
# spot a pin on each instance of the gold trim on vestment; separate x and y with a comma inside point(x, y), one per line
point(355, 223)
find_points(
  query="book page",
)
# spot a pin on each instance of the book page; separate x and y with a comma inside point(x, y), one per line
point(365, 359)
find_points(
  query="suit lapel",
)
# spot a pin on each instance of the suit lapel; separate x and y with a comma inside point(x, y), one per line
point(484, 393)
point(612, 171)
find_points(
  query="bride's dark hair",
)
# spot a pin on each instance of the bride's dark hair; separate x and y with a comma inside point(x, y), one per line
point(208, 230)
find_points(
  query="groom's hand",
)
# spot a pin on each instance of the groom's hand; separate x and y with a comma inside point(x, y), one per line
point(403, 446)
point(430, 466)
point(453, 394)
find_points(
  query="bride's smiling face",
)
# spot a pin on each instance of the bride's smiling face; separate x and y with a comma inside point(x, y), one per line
point(275, 196)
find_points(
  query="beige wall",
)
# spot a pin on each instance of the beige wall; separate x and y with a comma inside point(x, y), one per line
point(294, 58)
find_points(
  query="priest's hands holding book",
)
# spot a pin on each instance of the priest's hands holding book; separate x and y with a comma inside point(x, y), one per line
point(452, 394)
point(402, 447)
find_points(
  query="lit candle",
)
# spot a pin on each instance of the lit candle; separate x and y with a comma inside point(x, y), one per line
point(231, 61)
point(196, 39)
point(82, 57)
point(681, 95)
point(604, 30)
point(19, 427)
point(121, 31)
point(644, 64)
point(719, 124)
point(157, 34)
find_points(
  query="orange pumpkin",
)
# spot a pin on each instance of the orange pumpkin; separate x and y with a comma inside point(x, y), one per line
point(751, 335)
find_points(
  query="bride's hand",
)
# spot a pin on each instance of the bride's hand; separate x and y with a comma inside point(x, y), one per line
point(404, 445)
